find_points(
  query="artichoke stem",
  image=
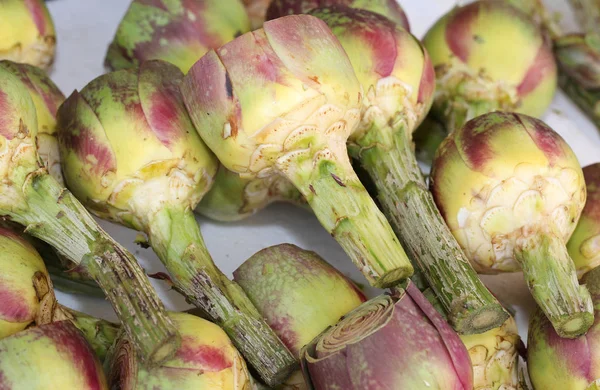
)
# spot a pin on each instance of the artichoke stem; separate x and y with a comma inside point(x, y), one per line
point(175, 236)
point(349, 214)
point(586, 100)
point(55, 216)
point(550, 274)
point(409, 206)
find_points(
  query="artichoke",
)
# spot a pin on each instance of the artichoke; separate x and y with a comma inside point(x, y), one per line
point(558, 363)
point(232, 198)
point(584, 245)
point(177, 31)
point(34, 199)
point(495, 357)
point(391, 9)
point(469, 46)
point(207, 360)
point(47, 98)
point(27, 32)
point(52, 356)
point(20, 265)
point(283, 100)
point(132, 156)
point(512, 191)
point(389, 342)
point(399, 94)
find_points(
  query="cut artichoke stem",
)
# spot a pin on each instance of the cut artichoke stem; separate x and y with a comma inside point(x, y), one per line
point(175, 236)
point(55, 216)
point(349, 214)
point(409, 206)
point(550, 274)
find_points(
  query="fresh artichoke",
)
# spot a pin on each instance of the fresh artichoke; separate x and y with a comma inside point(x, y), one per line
point(20, 265)
point(584, 245)
point(27, 33)
point(512, 191)
point(489, 56)
point(47, 98)
point(207, 360)
point(52, 356)
point(31, 197)
point(131, 155)
point(177, 31)
point(283, 100)
point(389, 342)
point(297, 292)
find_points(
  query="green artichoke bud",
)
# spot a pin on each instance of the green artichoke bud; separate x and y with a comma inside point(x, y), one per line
point(129, 149)
point(206, 360)
point(52, 356)
point(283, 100)
point(578, 58)
point(558, 363)
point(20, 264)
point(177, 31)
point(232, 198)
point(47, 98)
point(495, 357)
point(34, 199)
point(469, 46)
point(131, 155)
point(512, 191)
point(27, 33)
point(389, 342)
point(298, 293)
point(584, 245)
point(391, 9)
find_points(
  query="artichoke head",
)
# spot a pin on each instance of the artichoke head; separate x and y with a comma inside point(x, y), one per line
point(489, 55)
point(19, 264)
point(503, 177)
point(129, 147)
point(47, 98)
point(278, 99)
point(27, 32)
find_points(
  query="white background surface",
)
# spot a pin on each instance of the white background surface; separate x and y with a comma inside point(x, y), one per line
point(85, 28)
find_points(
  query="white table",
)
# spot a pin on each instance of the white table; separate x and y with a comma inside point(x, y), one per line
point(85, 28)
